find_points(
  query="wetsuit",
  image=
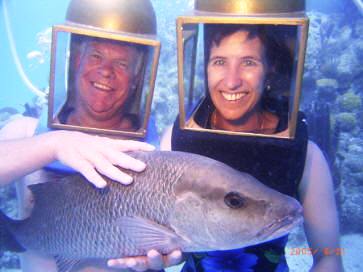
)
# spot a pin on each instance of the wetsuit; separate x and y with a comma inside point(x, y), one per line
point(278, 163)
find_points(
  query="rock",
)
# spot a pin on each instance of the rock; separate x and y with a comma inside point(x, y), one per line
point(355, 164)
point(346, 121)
point(349, 102)
point(327, 88)
point(351, 197)
point(327, 83)
point(356, 149)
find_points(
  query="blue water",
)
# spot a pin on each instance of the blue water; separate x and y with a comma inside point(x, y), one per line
point(29, 18)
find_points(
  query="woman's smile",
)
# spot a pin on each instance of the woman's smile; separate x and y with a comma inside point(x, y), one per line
point(233, 97)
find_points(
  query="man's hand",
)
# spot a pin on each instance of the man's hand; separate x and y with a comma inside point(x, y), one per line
point(91, 155)
point(153, 261)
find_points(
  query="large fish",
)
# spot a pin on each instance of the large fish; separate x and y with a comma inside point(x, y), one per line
point(181, 200)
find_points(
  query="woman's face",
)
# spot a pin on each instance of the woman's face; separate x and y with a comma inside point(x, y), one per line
point(236, 74)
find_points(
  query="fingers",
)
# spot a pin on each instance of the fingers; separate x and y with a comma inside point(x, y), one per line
point(125, 161)
point(174, 258)
point(130, 145)
point(134, 263)
point(87, 169)
point(92, 176)
point(105, 163)
point(154, 261)
point(94, 156)
point(106, 166)
point(89, 162)
point(115, 174)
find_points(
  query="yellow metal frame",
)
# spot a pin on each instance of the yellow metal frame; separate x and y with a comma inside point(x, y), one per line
point(149, 40)
point(248, 7)
point(197, 17)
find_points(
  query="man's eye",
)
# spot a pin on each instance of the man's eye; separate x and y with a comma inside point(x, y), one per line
point(95, 57)
point(121, 64)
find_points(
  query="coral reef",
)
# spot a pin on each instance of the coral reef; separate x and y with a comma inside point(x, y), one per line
point(333, 78)
point(349, 102)
point(346, 121)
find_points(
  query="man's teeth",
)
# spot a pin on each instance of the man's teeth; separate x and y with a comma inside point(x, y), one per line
point(233, 97)
point(101, 86)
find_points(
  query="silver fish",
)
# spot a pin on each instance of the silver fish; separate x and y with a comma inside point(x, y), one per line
point(181, 200)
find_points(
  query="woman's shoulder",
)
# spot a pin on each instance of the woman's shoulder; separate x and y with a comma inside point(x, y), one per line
point(316, 170)
point(313, 151)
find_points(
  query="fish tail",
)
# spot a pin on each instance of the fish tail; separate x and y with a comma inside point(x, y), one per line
point(7, 239)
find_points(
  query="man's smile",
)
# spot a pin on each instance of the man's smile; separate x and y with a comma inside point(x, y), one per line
point(101, 86)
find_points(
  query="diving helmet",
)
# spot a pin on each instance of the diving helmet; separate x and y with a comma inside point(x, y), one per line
point(104, 62)
point(281, 27)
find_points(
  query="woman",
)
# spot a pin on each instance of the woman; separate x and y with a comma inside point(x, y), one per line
point(247, 74)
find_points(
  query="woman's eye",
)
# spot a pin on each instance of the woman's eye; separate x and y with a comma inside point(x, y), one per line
point(218, 62)
point(249, 62)
point(234, 200)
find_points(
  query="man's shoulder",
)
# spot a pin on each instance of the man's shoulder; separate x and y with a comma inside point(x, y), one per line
point(19, 127)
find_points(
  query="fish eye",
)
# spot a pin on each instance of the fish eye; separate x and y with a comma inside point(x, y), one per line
point(234, 200)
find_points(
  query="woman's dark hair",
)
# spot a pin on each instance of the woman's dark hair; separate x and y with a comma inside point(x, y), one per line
point(279, 58)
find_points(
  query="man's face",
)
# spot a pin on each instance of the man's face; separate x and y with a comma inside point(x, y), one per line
point(104, 78)
point(236, 74)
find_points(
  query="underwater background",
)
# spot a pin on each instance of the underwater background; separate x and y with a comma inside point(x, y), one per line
point(331, 97)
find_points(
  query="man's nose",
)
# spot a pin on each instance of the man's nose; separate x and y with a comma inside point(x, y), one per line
point(233, 78)
point(106, 69)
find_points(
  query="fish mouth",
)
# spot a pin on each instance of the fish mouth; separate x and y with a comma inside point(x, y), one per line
point(280, 227)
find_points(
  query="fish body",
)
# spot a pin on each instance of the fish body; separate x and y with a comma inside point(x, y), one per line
point(180, 201)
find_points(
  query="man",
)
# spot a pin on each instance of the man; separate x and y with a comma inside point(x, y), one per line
point(105, 74)
point(105, 85)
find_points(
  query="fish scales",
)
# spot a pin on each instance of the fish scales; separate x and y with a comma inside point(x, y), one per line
point(99, 235)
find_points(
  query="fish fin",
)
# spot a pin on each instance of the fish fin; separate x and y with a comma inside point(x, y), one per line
point(7, 240)
point(146, 234)
point(64, 264)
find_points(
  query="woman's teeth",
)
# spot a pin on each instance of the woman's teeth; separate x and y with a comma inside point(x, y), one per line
point(233, 97)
